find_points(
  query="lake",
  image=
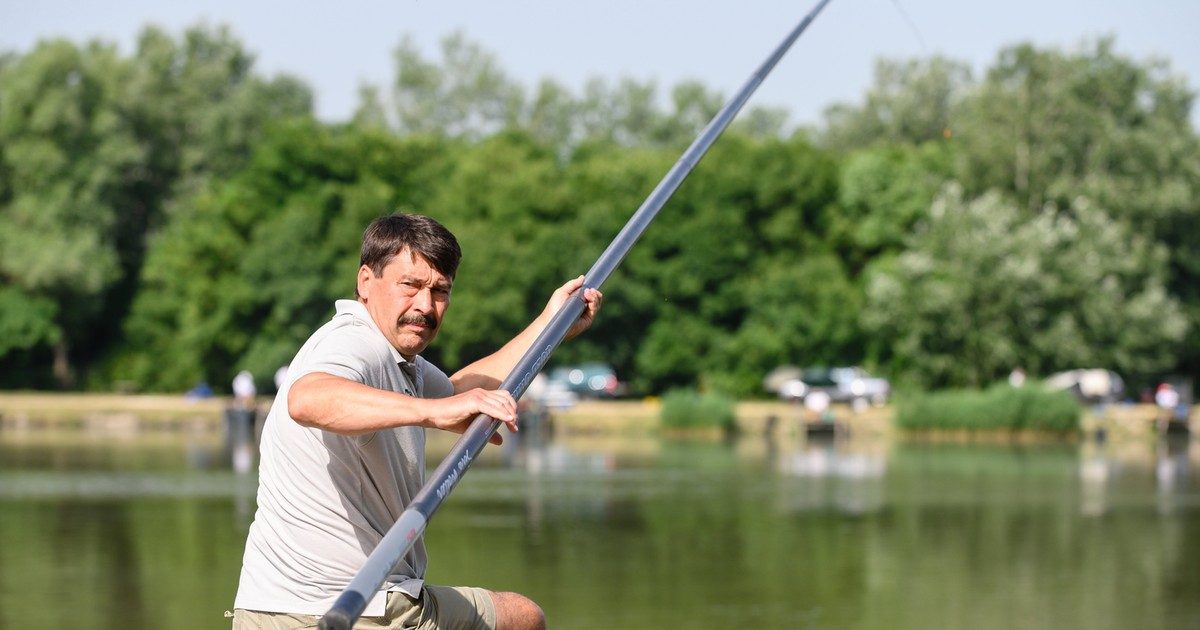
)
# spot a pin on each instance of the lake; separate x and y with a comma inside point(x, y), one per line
point(652, 533)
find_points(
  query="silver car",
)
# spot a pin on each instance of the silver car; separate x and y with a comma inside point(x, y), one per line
point(841, 384)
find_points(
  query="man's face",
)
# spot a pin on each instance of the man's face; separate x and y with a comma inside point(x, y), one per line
point(407, 301)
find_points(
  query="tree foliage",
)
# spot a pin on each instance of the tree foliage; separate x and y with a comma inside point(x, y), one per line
point(172, 216)
point(979, 291)
point(68, 156)
point(94, 149)
point(466, 94)
point(1050, 133)
point(909, 102)
point(1049, 127)
point(255, 263)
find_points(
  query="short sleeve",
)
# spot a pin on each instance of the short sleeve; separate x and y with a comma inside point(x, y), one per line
point(347, 352)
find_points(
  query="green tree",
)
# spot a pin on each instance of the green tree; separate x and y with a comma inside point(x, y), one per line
point(199, 110)
point(254, 264)
point(909, 102)
point(753, 209)
point(883, 193)
point(68, 156)
point(1043, 128)
point(1050, 127)
point(200, 107)
point(94, 149)
point(982, 290)
point(466, 95)
point(505, 200)
point(801, 311)
point(552, 114)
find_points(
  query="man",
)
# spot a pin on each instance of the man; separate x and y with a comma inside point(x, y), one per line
point(342, 449)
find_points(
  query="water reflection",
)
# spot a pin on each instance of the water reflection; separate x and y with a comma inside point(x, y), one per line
point(834, 473)
point(547, 462)
point(548, 458)
point(1171, 471)
point(1105, 469)
point(1096, 468)
point(771, 533)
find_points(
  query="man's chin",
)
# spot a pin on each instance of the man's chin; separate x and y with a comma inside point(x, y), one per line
point(411, 344)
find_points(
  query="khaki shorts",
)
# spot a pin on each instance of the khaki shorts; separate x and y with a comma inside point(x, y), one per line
point(440, 607)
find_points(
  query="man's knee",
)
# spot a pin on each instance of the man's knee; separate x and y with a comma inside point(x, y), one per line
point(517, 612)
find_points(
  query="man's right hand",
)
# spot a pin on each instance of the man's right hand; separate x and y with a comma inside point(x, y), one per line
point(457, 412)
point(339, 405)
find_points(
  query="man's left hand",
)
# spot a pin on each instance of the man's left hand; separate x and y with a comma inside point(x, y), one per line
point(591, 297)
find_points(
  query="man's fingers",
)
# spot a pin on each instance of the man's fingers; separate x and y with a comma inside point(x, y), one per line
point(593, 297)
point(564, 292)
point(572, 285)
point(502, 406)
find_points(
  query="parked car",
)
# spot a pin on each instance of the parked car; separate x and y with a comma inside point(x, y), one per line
point(588, 380)
point(841, 384)
point(1089, 385)
point(550, 395)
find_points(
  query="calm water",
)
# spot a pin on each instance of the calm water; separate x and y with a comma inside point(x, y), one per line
point(656, 535)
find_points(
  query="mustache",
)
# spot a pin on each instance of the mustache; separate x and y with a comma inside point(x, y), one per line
point(427, 320)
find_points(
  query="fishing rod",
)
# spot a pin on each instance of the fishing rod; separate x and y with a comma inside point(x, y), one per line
point(411, 524)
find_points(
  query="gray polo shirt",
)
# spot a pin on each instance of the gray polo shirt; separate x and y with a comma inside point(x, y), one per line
point(326, 500)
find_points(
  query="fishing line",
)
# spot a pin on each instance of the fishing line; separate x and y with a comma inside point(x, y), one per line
point(947, 133)
point(911, 25)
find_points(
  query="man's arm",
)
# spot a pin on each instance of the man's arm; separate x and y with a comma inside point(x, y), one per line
point(340, 405)
point(490, 371)
point(345, 406)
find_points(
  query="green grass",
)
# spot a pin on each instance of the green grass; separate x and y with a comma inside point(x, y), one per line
point(687, 409)
point(997, 408)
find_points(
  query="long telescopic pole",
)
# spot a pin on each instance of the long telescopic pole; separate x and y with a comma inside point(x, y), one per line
point(411, 524)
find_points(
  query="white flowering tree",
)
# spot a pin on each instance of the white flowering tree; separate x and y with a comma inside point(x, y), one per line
point(982, 289)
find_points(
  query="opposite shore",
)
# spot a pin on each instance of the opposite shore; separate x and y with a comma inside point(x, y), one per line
point(147, 413)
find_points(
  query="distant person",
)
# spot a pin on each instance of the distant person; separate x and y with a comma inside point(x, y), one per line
point(1016, 378)
point(1167, 399)
point(818, 403)
point(343, 447)
point(244, 390)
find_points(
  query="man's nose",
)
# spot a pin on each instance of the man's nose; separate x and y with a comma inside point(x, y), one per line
point(423, 300)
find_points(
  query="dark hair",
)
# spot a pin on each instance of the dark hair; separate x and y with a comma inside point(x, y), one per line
point(390, 235)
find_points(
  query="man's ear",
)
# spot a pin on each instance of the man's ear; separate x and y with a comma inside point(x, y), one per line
point(364, 274)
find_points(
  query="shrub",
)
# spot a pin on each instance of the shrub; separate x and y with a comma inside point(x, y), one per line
point(999, 407)
point(687, 409)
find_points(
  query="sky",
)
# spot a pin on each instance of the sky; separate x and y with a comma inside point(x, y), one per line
point(336, 46)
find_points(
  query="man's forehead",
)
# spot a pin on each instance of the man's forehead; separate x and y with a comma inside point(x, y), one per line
point(409, 263)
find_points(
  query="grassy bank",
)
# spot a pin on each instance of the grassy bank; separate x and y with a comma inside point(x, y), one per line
point(1001, 409)
point(35, 409)
point(132, 413)
point(120, 413)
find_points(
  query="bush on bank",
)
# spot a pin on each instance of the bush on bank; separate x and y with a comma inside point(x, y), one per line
point(1000, 407)
point(688, 409)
